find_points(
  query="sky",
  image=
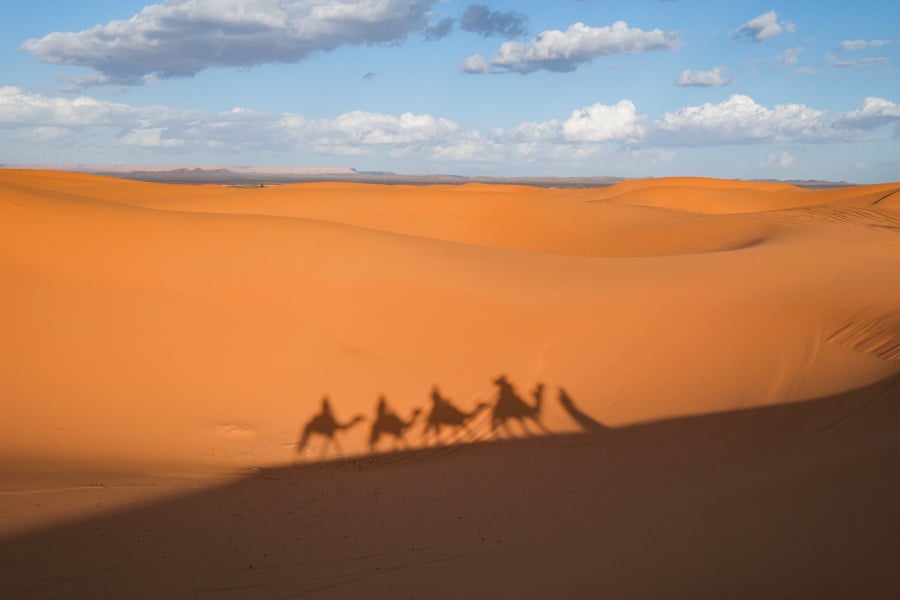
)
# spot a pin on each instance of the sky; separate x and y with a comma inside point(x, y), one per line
point(638, 88)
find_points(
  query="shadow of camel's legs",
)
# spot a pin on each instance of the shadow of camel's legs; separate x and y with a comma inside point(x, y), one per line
point(467, 434)
point(432, 436)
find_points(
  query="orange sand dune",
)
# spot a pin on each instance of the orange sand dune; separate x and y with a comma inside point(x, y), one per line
point(714, 196)
point(209, 335)
point(514, 217)
point(186, 330)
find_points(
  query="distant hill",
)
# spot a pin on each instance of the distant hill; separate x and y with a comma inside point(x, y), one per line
point(260, 176)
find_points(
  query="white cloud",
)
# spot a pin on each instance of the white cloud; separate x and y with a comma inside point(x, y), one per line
point(763, 27)
point(785, 160)
point(740, 120)
point(592, 124)
point(476, 64)
point(564, 51)
point(603, 123)
point(862, 62)
point(531, 132)
point(874, 112)
point(149, 137)
point(180, 38)
point(238, 128)
point(853, 45)
point(19, 108)
point(360, 127)
point(791, 56)
point(711, 78)
point(471, 147)
point(40, 135)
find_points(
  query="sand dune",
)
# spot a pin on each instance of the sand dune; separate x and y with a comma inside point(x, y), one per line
point(716, 196)
point(180, 330)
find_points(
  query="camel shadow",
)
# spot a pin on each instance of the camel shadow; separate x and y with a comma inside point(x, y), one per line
point(444, 414)
point(585, 421)
point(510, 405)
point(324, 424)
point(387, 423)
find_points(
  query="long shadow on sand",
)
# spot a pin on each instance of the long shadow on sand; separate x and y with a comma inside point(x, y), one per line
point(787, 501)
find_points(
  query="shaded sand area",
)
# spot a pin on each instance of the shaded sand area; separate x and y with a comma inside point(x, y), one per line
point(719, 361)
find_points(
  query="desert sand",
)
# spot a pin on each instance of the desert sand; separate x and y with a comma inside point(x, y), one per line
point(720, 414)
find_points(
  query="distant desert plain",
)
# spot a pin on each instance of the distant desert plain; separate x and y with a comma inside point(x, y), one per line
point(675, 387)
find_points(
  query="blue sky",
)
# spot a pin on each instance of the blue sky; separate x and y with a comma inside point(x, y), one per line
point(637, 88)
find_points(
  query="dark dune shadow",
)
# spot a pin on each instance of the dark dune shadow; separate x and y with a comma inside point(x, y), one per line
point(789, 501)
point(585, 421)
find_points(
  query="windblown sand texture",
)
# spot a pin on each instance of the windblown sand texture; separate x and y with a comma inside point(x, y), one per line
point(729, 353)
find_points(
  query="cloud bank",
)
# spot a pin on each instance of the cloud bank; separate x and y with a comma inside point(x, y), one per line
point(180, 38)
point(590, 131)
point(741, 120)
point(563, 51)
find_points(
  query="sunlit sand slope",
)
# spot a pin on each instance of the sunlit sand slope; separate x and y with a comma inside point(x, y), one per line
point(162, 324)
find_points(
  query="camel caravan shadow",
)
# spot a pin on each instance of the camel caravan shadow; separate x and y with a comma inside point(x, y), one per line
point(442, 417)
